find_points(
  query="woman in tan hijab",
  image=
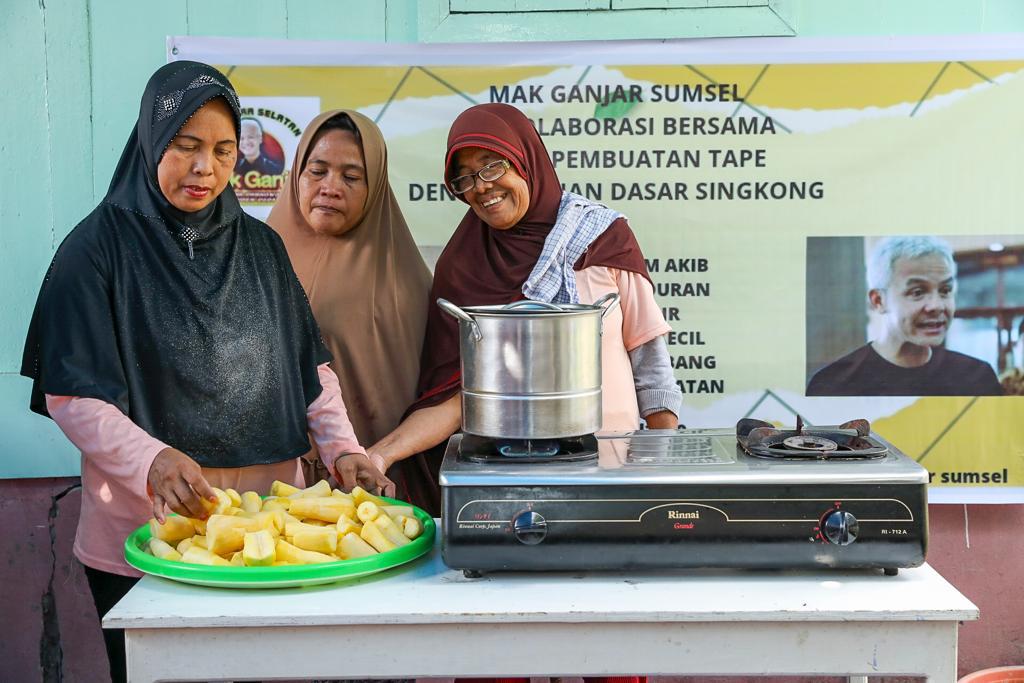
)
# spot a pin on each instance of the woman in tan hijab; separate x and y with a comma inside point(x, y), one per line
point(356, 259)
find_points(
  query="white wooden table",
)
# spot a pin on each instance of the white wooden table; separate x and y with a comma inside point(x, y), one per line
point(424, 619)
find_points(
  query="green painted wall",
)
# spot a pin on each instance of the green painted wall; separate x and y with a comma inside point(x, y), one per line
point(75, 70)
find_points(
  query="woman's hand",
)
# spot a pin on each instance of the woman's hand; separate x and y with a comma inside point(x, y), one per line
point(177, 482)
point(379, 462)
point(356, 469)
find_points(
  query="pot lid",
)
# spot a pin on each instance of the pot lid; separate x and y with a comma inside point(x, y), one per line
point(529, 307)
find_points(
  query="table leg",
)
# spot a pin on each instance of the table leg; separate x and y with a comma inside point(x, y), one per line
point(944, 658)
point(141, 664)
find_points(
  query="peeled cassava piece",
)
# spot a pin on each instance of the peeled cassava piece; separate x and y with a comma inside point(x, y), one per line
point(195, 555)
point(320, 539)
point(391, 531)
point(360, 495)
point(225, 534)
point(279, 488)
point(352, 546)
point(289, 553)
point(317, 490)
point(276, 503)
point(346, 525)
point(163, 550)
point(222, 504)
point(259, 549)
point(251, 502)
point(372, 534)
point(411, 526)
point(173, 529)
point(291, 526)
point(234, 497)
point(396, 511)
point(326, 509)
point(271, 520)
point(367, 511)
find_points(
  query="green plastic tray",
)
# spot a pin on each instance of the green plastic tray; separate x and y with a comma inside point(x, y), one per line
point(277, 577)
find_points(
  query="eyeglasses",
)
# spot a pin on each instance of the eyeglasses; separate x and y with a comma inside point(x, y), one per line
point(489, 173)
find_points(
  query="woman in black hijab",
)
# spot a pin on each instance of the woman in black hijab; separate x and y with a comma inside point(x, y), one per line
point(173, 343)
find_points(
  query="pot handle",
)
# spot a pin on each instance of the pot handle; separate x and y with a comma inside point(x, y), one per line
point(611, 299)
point(456, 312)
point(530, 302)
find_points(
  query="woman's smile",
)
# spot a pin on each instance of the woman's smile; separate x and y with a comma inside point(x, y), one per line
point(488, 203)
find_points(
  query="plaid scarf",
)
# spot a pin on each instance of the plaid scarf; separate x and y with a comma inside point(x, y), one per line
point(579, 222)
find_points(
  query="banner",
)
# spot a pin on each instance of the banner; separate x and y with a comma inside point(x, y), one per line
point(834, 230)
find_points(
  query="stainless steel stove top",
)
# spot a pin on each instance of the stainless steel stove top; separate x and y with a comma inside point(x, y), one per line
point(689, 456)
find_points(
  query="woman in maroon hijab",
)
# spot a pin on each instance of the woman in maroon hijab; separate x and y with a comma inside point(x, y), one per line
point(514, 243)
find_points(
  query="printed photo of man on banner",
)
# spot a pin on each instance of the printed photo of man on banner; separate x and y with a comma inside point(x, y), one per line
point(916, 340)
point(271, 129)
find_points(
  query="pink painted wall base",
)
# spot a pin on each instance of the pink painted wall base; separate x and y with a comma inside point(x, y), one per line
point(50, 631)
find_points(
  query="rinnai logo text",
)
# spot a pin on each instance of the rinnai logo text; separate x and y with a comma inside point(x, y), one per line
point(676, 514)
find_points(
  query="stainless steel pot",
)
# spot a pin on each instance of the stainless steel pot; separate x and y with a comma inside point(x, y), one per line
point(531, 369)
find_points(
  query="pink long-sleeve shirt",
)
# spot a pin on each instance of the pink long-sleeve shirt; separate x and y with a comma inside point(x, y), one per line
point(117, 455)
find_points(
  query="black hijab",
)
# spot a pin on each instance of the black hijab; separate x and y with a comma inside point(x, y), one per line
point(192, 324)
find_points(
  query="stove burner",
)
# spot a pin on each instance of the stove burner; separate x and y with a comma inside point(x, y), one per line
point(848, 441)
point(482, 449)
point(525, 448)
point(805, 442)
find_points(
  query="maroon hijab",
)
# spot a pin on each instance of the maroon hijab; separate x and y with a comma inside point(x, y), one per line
point(482, 266)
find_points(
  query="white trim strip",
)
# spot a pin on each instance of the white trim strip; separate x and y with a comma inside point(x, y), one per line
point(837, 50)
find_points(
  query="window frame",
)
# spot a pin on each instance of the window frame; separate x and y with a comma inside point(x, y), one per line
point(454, 21)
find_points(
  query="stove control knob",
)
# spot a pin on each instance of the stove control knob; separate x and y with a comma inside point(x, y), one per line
point(529, 527)
point(840, 527)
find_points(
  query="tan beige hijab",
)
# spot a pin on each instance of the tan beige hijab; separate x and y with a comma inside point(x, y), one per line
point(368, 288)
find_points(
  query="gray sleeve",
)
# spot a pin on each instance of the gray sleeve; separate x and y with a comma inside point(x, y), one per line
point(656, 387)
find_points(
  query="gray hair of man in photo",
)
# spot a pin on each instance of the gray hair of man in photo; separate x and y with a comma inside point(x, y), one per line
point(892, 249)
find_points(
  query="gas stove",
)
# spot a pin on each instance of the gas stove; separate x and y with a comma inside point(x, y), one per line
point(754, 497)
